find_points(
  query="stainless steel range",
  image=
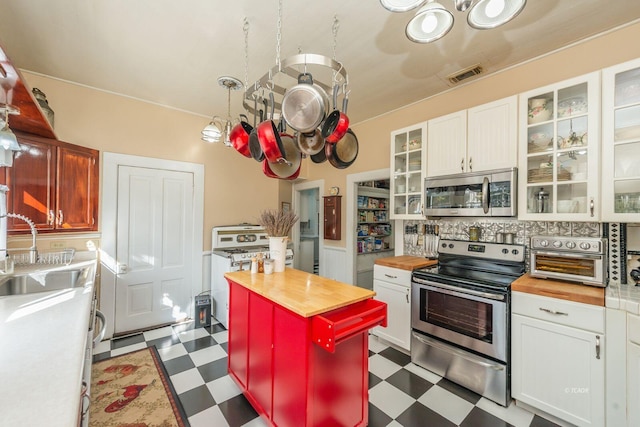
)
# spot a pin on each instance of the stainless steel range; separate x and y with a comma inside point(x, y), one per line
point(460, 315)
point(233, 246)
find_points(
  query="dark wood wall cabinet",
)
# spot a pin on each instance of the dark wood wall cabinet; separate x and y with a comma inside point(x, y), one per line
point(332, 223)
point(53, 183)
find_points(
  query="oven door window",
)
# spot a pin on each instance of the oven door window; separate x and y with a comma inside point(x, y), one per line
point(565, 264)
point(458, 314)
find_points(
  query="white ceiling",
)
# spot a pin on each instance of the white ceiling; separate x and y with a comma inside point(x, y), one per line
point(172, 52)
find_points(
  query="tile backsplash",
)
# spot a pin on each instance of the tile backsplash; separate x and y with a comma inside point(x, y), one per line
point(458, 229)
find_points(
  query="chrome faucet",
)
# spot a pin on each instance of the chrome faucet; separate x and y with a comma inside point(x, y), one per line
point(33, 250)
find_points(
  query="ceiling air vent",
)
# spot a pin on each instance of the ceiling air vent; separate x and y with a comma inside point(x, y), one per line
point(465, 74)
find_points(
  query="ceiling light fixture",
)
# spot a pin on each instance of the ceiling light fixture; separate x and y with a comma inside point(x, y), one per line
point(430, 23)
point(433, 21)
point(219, 129)
point(488, 14)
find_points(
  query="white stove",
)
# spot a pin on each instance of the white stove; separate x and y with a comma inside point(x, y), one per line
point(232, 247)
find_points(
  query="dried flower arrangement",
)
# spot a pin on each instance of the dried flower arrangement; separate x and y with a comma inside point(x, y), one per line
point(277, 223)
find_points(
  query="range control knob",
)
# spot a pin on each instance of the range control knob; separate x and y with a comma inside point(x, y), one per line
point(444, 245)
point(570, 245)
point(544, 243)
point(450, 245)
point(585, 245)
point(505, 251)
point(515, 252)
point(557, 244)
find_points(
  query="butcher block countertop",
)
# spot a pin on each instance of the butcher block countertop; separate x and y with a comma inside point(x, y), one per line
point(559, 289)
point(303, 293)
point(406, 262)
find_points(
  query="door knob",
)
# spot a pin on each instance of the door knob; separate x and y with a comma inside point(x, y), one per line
point(122, 269)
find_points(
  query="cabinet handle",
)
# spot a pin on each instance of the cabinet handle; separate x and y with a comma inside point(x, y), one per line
point(60, 217)
point(390, 276)
point(470, 164)
point(50, 217)
point(592, 207)
point(597, 346)
point(407, 296)
point(559, 313)
point(462, 165)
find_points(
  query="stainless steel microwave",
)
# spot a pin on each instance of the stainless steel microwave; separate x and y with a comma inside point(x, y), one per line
point(487, 193)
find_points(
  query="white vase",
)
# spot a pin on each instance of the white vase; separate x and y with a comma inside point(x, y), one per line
point(278, 252)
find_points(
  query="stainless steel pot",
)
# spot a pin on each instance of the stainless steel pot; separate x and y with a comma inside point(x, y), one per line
point(305, 105)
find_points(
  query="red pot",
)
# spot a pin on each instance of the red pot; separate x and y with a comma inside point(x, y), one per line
point(335, 126)
point(239, 137)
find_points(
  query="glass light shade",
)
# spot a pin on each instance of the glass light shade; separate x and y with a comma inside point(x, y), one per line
point(8, 140)
point(212, 132)
point(431, 22)
point(488, 14)
point(401, 5)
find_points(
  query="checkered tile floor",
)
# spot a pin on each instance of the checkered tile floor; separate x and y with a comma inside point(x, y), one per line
point(400, 393)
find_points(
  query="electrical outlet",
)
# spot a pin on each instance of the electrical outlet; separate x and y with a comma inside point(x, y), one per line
point(57, 245)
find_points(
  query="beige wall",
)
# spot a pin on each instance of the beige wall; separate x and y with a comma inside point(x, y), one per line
point(236, 190)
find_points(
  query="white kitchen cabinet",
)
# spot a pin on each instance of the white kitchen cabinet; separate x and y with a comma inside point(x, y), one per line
point(408, 158)
point(557, 352)
point(621, 142)
point(478, 139)
point(447, 148)
point(393, 286)
point(633, 370)
point(560, 151)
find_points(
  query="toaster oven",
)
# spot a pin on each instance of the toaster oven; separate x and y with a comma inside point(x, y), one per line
point(574, 259)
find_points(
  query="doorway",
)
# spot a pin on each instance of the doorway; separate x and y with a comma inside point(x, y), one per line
point(360, 263)
point(307, 240)
point(309, 252)
point(152, 234)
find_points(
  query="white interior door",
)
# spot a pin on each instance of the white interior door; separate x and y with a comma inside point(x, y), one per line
point(153, 249)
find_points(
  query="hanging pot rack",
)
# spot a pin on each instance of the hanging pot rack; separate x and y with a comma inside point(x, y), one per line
point(286, 73)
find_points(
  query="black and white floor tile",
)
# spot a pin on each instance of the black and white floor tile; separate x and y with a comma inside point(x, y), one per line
point(401, 394)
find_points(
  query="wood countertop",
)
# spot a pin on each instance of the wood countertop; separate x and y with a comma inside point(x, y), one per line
point(406, 262)
point(303, 293)
point(559, 289)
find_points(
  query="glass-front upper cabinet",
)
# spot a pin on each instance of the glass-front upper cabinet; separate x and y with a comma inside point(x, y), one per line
point(559, 150)
point(408, 161)
point(621, 142)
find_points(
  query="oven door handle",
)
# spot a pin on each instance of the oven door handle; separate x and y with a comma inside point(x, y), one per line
point(457, 352)
point(457, 291)
point(103, 328)
point(572, 255)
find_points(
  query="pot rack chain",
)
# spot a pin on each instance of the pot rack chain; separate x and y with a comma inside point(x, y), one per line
point(245, 28)
point(278, 32)
point(288, 67)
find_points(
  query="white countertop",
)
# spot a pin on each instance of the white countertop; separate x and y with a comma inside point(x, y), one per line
point(42, 341)
point(623, 297)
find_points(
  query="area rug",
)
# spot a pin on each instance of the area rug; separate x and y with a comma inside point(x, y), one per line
point(134, 390)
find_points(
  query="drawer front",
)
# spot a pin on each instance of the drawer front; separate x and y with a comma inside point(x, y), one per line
point(392, 275)
point(633, 328)
point(562, 312)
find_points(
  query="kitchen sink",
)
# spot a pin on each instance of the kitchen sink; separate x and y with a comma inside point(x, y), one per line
point(43, 281)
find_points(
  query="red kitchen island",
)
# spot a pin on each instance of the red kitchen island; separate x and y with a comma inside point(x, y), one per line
point(298, 346)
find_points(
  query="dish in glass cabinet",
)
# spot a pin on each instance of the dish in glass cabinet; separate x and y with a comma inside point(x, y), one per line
point(540, 140)
point(540, 110)
point(414, 205)
point(414, 144)
point(572, 106)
